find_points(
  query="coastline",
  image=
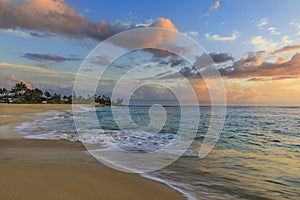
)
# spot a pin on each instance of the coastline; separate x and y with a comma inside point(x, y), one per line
point(61, 169)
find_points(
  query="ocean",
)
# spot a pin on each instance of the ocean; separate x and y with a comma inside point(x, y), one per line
point(256, 157)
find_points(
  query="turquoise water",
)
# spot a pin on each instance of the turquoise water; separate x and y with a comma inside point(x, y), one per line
point(256, 157)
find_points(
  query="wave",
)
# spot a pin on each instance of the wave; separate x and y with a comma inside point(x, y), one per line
point(60, 126)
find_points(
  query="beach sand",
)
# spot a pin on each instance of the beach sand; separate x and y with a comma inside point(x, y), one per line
point(44, 169)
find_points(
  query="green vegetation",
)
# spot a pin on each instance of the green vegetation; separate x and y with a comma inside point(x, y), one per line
point(20, 93)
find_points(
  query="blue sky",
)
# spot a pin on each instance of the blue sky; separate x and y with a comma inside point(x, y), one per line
point(232, 15)
point(222, 26)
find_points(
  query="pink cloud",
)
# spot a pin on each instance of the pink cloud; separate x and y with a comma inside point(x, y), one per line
point(57, 17)
point(15, 80)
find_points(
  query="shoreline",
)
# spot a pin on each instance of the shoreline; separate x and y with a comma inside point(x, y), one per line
point(62, 169)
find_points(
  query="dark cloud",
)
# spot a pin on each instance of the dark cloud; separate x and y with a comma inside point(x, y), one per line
point(185, 71)
point(202, 61)
point(162, 53)
point(48, 57)
point(221, 57)
point(173, 62)
point(250, 67)
point(159, 53)
point(189, 72)
point(41, 35)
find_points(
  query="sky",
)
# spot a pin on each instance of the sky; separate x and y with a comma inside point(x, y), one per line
point(255, 46)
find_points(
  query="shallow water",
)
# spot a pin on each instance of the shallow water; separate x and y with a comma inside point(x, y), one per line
point(256, 157)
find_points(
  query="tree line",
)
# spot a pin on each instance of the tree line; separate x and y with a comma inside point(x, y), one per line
point(20, 93)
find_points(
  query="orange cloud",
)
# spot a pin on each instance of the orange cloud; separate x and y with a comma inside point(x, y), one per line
point(286, 48)
point(159, 37)
point(164, 23)
point(151, 38)
point(282, 60)
point(235, 92)
point(246, 94)
point(258, 62)
point(46, 6)
point(280, 69)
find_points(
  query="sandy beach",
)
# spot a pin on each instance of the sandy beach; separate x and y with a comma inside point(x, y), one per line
point(44, 169)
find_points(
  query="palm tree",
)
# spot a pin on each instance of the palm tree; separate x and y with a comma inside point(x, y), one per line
point(70, 99)
point(4, 91)
point(37, 95)
point(3, 94)
point(56, 98)
point(47, 95)
point(19, 89)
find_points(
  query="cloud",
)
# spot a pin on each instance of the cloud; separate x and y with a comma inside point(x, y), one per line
point(273, 31)
point(263, 22)
point(187, 70)
point(282, 60)
point(286, 48)
point(55, 81)
point(102, 60)
point(221, 57)
point(48, 57)
point(25, 34)
point(236, 93)
point(173, 62)
point(15, 80)
point(192, 33)
point(37, 76)
point(41, 35)
point(164, 23)
point(55, 16)
point(293, 22)
point(246, 94)
point(151, 38)
point(215, 6)
point(252, 67)
point(153, 92)
point(16, 32)
point(259, 79)
point(216, 37)
point(286, 40)
point(161, 53)
point(261, 43)
point(204, 61)
point(245, 68)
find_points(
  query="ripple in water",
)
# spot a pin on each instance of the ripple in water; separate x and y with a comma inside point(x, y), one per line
point(257, 156)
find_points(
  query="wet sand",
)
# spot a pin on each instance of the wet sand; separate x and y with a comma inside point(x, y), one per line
point(43, 169)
